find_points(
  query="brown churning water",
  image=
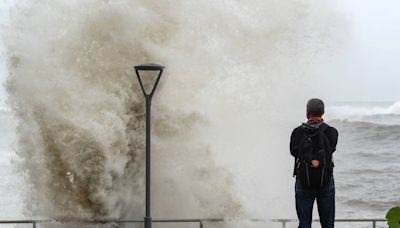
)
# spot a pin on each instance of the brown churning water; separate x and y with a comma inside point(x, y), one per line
point(233, 69)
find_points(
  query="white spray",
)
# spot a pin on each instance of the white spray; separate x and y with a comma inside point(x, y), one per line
point(235, 82)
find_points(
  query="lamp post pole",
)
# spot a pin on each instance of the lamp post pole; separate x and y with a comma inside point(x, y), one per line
point(148, 97)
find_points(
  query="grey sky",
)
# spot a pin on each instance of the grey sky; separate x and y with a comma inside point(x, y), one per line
point(368, 68)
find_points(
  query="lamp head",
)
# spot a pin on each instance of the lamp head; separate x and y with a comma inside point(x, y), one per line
point(149, 67)
point(148, 77)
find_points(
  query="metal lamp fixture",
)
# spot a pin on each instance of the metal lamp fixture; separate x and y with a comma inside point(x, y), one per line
point(148, 97)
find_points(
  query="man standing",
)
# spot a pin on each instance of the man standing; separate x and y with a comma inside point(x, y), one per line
point(312, 145)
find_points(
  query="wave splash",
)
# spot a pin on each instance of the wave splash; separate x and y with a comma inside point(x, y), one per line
point(374, 113)
point(81, 115)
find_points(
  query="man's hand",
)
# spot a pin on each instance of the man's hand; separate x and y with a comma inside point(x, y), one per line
point(314, 163)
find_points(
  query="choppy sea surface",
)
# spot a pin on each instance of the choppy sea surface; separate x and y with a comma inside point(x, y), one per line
point(367, 161)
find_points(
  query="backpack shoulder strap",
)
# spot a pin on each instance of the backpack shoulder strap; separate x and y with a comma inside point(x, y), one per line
point(323, 135)
point(302, 142)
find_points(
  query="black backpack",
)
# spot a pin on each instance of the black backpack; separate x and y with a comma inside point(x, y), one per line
point(314, 146)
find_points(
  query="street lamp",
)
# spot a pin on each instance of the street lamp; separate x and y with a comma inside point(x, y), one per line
point(148, 96)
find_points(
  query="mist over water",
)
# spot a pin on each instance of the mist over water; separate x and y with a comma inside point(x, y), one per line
point(236, 72)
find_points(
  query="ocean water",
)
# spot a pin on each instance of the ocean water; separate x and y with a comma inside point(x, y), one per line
point(219, 124)
point(367, 163)
point(220, 134)
point(367, 159)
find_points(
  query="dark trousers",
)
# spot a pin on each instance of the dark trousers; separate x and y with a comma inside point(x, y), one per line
point(325, 201)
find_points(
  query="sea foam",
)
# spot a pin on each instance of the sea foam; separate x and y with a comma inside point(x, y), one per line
point(236, 72)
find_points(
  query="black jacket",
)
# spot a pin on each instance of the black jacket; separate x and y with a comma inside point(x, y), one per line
point(297, 136)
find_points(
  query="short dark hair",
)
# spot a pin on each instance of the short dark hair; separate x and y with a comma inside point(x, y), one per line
point(315, 107)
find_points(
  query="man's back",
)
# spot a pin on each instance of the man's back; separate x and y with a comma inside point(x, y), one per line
point(297, 137)
point(312, 145)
